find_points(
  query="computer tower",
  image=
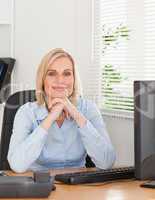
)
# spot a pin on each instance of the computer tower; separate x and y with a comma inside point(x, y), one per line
point(144, 129)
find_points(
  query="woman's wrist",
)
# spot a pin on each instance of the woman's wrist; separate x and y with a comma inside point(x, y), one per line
point(80, 119)
point(48, 121)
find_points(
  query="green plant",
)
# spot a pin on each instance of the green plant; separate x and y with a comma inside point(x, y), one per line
point(111, 75)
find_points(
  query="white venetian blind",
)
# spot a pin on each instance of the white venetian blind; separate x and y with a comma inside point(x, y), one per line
point(149, 42)
point(114, 35)
point(125, 48)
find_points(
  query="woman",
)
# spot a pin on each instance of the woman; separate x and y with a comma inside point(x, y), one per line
point(61, 127)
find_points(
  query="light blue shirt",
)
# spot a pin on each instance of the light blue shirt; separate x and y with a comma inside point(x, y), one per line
point(34, 148)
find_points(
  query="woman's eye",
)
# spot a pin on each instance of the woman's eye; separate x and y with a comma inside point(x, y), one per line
point(51, 74)
point(67, 74)
point(54, 74)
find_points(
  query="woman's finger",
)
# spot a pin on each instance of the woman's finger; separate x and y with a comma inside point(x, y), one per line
point(53, 102)
point(67, 115)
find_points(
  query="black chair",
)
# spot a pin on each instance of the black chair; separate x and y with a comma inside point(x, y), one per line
point(12, 104)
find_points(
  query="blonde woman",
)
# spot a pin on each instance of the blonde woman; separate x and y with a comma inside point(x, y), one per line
point(61, 127)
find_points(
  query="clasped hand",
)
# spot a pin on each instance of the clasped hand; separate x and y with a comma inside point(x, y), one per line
point(59, 106)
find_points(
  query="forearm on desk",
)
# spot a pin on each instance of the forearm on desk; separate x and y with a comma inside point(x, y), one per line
point(22, 155)
point(98, 145)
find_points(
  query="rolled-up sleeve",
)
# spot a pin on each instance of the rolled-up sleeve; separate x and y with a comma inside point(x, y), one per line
point(25, 143)
point(95, 138)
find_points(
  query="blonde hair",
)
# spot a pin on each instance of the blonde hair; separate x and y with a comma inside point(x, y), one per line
point(42, 70)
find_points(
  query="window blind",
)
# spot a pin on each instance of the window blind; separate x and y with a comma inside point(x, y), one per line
point(149, 42)
point(124, 49)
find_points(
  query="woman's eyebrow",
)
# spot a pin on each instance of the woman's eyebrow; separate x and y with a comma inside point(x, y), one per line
point(51, 70)
point(68, 70)
point(54, 70)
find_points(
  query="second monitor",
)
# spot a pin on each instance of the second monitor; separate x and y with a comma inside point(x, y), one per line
point(144, 128)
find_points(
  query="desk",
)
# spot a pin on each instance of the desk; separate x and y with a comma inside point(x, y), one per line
point(119, 190)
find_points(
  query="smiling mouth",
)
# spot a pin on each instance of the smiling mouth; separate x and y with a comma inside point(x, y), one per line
point(61, 89)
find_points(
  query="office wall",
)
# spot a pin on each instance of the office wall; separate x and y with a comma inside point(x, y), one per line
point(5, 11)
point(42, 25)
point(5, 27)
point(121, 131)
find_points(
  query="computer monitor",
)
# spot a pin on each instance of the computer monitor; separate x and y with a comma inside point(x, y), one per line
point(6, 67)
point(144, 129)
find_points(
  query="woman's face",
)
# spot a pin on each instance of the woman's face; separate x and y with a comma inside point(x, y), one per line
point(59, 79)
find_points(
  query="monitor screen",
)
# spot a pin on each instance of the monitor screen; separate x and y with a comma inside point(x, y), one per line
point(3, 70)
point(6, 67)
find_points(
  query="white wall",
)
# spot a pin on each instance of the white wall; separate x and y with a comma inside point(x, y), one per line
point(5, 11)
point(5, 40)
point(43, 25)
point(5, 28)
point(121, 131)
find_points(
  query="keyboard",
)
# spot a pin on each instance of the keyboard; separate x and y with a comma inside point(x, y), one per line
point(97, 176)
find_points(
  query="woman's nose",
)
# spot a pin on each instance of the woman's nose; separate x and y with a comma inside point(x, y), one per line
point(60, 79)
